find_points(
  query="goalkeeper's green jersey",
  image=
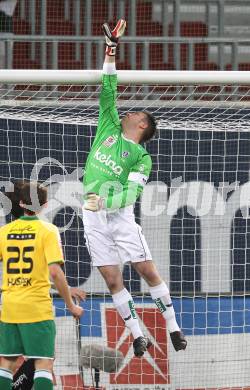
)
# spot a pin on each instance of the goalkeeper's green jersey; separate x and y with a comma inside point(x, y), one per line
point(117, 168)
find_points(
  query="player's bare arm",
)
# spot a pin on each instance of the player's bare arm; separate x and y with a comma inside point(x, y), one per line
point(62, 287)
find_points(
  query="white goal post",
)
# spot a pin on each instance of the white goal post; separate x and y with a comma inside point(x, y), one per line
point(194, 213)
point(92, 76)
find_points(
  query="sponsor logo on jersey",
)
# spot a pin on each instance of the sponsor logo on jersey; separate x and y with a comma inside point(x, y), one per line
point(154, 362)
point(106, 160)
point(21, 236)
point(111, 140)
point(25, 229)
point(125, 154)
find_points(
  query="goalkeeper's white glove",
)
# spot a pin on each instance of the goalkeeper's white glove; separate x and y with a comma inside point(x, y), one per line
point(112, 37)
point(93, 202)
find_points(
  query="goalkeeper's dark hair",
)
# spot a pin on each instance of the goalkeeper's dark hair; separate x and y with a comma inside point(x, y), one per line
point(150, 130)
point(28, 190)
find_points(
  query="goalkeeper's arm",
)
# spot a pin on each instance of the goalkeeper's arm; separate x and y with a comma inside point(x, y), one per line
point(108, 115)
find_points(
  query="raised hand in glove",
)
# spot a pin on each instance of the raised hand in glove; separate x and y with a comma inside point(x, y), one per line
point(93, 202)
point(112, 37)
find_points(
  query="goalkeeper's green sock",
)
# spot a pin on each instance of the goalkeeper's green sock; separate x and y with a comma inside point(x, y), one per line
point(160, 294)
point(124, 304)
point(6, 379)
point(43, 380)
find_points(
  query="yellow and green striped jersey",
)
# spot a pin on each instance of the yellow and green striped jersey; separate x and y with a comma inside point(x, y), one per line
point(27, 247)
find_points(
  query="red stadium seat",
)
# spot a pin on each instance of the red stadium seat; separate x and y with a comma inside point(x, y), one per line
point(96, 28)
point(55, 9)
point(60, 27)
point(144, 11)
point(244, 66)
point(66, 51)
point(69, 64)
point(162, 66)
point(67, 56)
point(22, 54)
point(241, 66)
point(22, 49)
point(123, 62)
point(25, 63)
point(99, 11)
point(145, 28)
point(21, 26)
point(206, 66)
point(123, 65)
point(190, 29)
point(156, 60)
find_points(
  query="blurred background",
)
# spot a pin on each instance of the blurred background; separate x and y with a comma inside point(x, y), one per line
point(161, 34)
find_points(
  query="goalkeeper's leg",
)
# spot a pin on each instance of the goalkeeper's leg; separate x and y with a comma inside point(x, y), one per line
point(160, 294)
point(124, 304)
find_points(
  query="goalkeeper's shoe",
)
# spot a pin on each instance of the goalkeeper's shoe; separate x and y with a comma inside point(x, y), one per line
point(178, 340)
point(141, 344)
point(112, 37)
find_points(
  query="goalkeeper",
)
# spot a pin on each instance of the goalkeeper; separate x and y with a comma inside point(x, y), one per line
point(116, 171)
point(30, 250)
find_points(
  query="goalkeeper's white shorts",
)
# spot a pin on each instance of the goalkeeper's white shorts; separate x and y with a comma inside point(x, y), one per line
point(114, 237)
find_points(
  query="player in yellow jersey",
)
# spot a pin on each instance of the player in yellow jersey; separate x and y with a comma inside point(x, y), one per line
point(13, 194)
point(31, 253)
point(23, 378)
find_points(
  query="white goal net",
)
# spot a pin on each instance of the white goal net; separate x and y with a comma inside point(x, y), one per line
point(194, 213)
